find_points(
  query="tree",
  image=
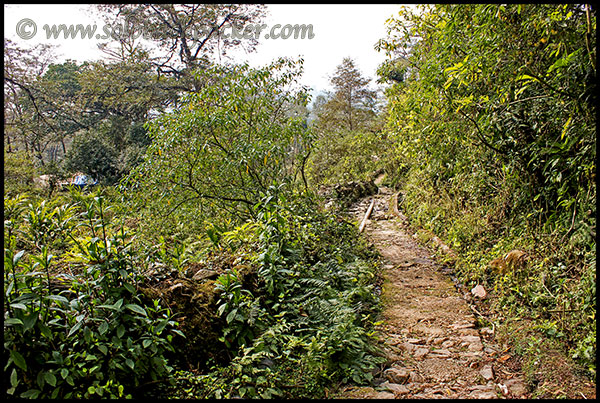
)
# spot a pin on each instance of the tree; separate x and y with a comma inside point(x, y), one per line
point(187, 36)
point(59, 88)
point(225, 145)
point(515, 86)
point(351, 107)
point(120, 97)
point(28, 124)
point(349, 133)
point(91, 155)
point(47, 105)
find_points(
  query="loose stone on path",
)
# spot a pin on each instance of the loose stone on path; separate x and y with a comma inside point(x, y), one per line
point(430, 338)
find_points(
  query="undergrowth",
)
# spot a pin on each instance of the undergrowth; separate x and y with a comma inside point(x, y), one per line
point(308, 323)
point(81, 320)
point(556, 290)
point(74, 323)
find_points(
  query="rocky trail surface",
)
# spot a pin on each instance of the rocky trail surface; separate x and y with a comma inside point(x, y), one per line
point(429, 335)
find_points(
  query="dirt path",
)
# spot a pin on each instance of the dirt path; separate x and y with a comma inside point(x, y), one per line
point(429, 335)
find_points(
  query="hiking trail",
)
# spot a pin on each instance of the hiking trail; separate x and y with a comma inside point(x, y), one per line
point(429, 334)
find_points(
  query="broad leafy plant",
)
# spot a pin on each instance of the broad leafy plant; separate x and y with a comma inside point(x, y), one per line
point(78, 328)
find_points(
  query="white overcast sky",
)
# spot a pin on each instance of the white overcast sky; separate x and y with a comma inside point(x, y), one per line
point(340, 30)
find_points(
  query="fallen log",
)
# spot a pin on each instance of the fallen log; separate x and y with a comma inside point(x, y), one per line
point(364, 220)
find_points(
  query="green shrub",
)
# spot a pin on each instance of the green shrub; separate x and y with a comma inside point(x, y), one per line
point(347, 156)
point(75, 327)
point(307, 323)
point(19, 172)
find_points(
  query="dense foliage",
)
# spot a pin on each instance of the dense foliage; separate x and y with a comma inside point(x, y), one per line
point(306, 323)
point(204, 266)
point(75, 326)
point(79, 323)
point(493, 108)
point(226, 143)
point(349, 142)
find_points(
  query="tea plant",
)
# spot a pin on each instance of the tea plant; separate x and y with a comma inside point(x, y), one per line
point(78, 329)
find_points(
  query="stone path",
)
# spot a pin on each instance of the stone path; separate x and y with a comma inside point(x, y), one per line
point(432, 346)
